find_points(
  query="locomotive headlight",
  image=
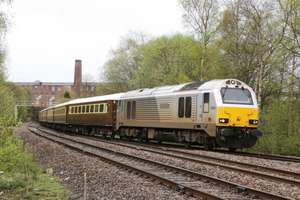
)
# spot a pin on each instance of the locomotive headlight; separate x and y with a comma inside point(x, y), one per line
point(253, 122)
point(223, 120)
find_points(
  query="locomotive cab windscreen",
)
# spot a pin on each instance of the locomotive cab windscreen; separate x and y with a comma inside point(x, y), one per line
point(236, 96)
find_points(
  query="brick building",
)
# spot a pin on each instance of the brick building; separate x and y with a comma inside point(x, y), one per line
point(44, 94)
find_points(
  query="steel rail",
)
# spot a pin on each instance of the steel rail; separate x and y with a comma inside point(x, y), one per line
point(268, 156)
point(195, 158)
point(180, 170)
point(166, 181)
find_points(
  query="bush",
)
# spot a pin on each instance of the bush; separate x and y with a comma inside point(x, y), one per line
point(21, 175)
point(281, 127)
point(7, 107)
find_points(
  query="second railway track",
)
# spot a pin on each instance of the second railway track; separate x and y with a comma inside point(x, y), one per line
point(280, 175)
point(186, 180)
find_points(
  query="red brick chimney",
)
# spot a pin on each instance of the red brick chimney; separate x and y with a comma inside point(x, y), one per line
point(78, 73)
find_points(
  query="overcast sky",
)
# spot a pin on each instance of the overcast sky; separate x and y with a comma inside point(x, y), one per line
point(47, 36)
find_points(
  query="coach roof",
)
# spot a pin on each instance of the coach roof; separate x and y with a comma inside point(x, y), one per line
point(88, 100)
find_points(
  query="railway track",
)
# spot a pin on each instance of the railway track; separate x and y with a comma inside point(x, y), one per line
point(278, 175)
point(268, 156)
point(239, 153)
point(181, 179)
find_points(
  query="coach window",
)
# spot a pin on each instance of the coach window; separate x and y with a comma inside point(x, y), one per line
point(206, 102)
point(133, 110)
point(87, 109)
point(76, 109)
point(181, 107)
point(72, 109)
point(128, 109)
point(83, 109)
point(96, 108)
point(101, 108)
point(79, 109)
point(188, 107)
point(92, 108)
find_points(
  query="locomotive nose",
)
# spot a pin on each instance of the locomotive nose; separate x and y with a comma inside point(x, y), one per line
point(236, 116)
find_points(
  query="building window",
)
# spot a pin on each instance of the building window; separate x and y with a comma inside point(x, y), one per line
point(79, 109)
point(97, 108)
point(87, 109)
point(76, 109)
point(72, 109)
point(83, 109)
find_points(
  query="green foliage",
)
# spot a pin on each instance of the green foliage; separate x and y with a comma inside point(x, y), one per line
point(121, 68)
point(20, 174)
point(281, 126)
point(7, 106)
point(161, 61)
point(168, 60)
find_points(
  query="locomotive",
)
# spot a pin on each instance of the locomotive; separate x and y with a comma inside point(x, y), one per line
point(216, 113)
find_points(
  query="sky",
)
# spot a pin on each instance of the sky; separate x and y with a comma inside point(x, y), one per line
point(45, 37)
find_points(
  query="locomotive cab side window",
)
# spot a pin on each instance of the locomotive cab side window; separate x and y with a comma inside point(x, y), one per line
point(206, 102)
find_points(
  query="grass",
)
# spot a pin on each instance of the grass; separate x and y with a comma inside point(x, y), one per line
point(21, 177)
point(276, 144)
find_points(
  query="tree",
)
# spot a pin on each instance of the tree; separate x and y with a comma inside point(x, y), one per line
point(202, 17)
point(3, 26)
point(172, 60)
point(251, 36)
point(120, 69)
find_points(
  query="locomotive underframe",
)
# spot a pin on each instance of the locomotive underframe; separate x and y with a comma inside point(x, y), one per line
point(237, 137)
point(234, 139)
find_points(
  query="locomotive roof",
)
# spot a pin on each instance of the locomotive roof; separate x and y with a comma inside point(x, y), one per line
point(197, 85)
